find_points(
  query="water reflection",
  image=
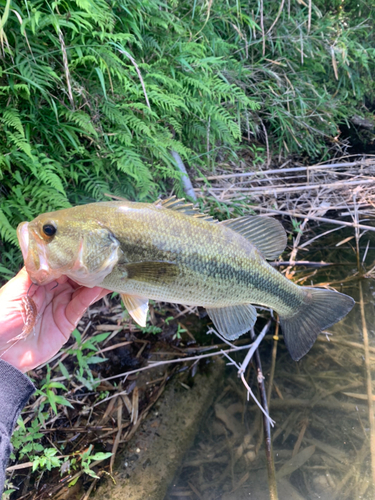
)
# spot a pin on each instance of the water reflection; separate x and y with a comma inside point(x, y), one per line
point(321, 440)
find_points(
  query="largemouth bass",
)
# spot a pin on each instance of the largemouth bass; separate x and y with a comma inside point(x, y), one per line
point(167, 251)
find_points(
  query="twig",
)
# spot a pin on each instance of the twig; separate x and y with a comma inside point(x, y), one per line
point(314, 217)
point(66, 68)
point(118, 435)
point(267, 145)
point(344, 184)
point(166, 362)
point(262, 28)
point(277, 17)
point(272, 374)
point(266, 424)
point(307, 243)
point(86, 495)
point(296, 241)
point(353, 345)
point(186, 182)
point(309, 17)
point(243, 366)
point(253, 348)
point(357, 234)
point(286, 170)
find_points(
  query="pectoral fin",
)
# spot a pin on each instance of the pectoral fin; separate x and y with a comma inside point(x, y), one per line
point(151, 272)
point(233, 321)
point(137, 308)
point(266, 234)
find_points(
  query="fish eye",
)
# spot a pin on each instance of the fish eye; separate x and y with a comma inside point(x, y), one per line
point(49, 229)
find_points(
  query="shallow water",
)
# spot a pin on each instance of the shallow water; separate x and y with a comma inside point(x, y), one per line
point(321, 439)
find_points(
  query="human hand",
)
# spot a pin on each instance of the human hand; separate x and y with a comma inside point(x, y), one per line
point(59, 310)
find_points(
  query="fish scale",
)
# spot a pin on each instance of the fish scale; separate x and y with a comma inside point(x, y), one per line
point(211, 276)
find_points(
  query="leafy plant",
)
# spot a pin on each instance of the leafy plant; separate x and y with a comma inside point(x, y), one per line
point(27, 440)
point(151, 329)
point(84, 459)
point(47, 460)
point(48, 393)
point(296, 226)
point(180, 330)
point(84, 374)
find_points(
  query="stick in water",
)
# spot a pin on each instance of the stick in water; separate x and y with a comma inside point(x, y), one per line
point(266, 424)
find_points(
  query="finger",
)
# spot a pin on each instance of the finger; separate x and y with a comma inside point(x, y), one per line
point(17, 286)
point(81, 300)
point(103, 293)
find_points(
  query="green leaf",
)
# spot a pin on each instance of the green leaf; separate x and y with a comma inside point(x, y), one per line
point(100, 456)
point(64, 371)
point(100, 337)
point(96, 359)
point(57, 385)
point(73, 482)
point(102, 81)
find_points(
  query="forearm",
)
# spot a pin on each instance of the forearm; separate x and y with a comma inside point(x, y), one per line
point(15, 390)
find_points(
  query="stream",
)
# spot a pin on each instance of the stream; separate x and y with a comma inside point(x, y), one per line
point(321, 439)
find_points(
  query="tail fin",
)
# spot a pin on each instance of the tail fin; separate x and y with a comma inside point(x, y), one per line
point(323, 308)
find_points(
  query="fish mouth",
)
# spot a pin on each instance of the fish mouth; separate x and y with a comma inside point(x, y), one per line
point(23, 238)
point(34, 254)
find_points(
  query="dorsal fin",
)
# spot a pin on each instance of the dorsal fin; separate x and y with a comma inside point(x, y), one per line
point(266, 234)
point(179, 205)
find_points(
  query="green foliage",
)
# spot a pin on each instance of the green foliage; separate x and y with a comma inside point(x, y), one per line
point(150, 329)
point(27, 439)
point(296, 226)
point(47, 460)
point(85, 460)
point(27, 442)
point(93, 97)
point(48, 393)
point(84, 374)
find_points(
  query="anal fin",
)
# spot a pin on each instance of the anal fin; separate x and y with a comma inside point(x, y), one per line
point(233, 321)
point(137, 307)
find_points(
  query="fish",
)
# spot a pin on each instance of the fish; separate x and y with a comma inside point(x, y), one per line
point(169, 251)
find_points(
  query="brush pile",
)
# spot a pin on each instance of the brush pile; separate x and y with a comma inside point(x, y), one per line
point(296, 188)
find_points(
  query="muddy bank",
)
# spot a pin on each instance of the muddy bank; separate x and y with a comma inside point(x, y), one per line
point(146, 467)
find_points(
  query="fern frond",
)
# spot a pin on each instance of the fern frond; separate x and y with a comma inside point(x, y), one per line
point(7, 232)
point(11, 118)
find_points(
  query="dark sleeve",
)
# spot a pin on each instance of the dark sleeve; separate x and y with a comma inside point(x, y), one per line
point(15, 390)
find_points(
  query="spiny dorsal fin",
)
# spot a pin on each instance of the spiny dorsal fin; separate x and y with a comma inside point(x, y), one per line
point(266, 234)
point(233, 321)
point(179, 204)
